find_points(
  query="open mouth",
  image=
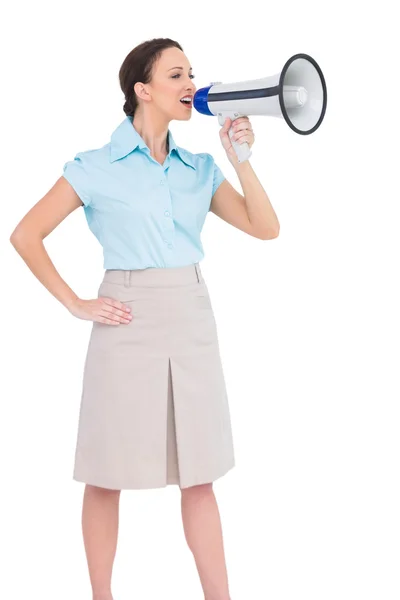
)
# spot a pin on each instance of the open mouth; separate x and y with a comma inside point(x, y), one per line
point(187, 102)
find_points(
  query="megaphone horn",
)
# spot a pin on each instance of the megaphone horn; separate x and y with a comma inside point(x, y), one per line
point(298, 94)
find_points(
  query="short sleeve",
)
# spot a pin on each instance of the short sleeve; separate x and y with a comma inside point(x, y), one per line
point(76, 173)
point(218, 177)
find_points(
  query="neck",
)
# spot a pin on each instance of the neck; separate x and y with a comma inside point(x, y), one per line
point(154, 132)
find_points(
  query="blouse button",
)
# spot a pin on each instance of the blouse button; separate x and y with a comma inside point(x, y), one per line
point(166, 213)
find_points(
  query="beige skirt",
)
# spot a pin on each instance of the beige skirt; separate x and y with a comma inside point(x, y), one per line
point(154, 408)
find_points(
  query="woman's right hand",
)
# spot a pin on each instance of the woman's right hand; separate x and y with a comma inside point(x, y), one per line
point(104, 310)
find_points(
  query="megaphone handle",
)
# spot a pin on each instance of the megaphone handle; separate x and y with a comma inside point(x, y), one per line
point(242, 150)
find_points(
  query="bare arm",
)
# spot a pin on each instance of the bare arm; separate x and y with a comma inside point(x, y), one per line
point(236, 209)
point(27, 238)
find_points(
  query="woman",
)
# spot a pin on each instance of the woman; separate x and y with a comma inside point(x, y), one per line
point(154, 409)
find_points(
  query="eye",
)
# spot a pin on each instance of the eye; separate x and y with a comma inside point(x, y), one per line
point(178, 75)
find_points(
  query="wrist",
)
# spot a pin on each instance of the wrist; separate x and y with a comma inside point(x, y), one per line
point(71, 301)
point(242, 165)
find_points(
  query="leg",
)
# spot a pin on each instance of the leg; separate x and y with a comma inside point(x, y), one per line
point(100, 514)
point(203, 532)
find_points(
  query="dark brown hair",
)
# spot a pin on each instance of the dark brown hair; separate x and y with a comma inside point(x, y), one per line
point(138, 65)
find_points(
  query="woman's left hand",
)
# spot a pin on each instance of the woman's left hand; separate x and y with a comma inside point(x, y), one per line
point(243, 132)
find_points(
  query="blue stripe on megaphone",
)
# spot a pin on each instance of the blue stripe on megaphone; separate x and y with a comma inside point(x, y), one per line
point(243, 94)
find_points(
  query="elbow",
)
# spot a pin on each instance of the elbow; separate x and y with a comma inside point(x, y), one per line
point(269, 234)
point(275, 232)
point(17, 237)
point(14, 237)
point(20, 237)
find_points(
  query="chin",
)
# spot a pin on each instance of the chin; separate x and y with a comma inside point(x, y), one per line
point(184, 114)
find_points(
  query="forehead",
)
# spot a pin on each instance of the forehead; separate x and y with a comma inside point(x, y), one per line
point(172, 57)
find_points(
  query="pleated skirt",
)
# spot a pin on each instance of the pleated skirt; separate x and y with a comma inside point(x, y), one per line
point(154, 407)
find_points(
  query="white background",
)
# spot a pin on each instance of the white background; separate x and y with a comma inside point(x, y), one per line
point(308, 323)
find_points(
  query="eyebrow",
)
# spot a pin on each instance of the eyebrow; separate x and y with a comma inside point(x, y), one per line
point(191, 68)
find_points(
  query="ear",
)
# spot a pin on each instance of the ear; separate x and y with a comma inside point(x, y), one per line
point(141, 91)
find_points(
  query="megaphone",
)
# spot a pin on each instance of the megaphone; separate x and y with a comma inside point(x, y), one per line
point(297, 94)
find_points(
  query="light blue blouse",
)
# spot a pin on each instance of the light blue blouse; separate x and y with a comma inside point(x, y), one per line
point(144, 214)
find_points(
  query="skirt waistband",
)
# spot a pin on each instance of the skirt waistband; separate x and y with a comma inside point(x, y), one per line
point(155, 276)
